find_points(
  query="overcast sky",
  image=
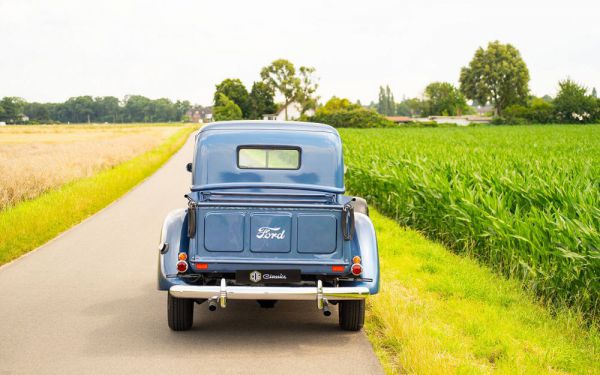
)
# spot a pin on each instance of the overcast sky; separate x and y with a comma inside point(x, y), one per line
point(54, 49)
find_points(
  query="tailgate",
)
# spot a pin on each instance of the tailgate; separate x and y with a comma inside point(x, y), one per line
point(231, 238)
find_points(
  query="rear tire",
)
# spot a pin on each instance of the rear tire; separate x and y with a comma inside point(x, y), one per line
point(352, 315)
point(180, 313)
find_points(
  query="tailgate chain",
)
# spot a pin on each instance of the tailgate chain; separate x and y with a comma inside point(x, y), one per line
point(191, 216)
point(347, 212)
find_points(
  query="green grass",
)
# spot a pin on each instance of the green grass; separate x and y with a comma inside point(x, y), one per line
point(524, 200)
point(32, 223)
point(441, 313)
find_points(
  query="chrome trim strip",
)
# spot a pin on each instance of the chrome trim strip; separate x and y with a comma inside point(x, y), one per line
point(328, 206)
point(273, 185)
point(223, 292)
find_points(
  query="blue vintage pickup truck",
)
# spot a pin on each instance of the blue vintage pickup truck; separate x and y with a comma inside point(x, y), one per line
point(267, 220)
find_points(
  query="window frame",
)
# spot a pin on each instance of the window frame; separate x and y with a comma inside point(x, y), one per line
point(268, 147)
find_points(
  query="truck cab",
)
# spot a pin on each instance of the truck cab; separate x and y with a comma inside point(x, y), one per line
point(267, 220)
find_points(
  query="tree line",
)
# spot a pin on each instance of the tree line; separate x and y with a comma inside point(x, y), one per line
point(232, 101)
point(498, 76)
point(439, 99)
point(82, 109)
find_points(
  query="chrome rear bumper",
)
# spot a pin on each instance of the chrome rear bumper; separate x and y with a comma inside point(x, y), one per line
point(224, 292)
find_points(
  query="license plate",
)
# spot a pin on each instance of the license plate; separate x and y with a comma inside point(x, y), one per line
point(267, 276)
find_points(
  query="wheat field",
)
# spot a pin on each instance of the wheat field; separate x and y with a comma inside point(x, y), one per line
point(35, 159)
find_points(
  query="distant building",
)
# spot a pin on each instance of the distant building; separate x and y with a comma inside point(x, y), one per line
point(195, 116)
point(200, 114)
point(482, 110)
point(458, 120)
point(399, 119)
point(2, 123)
point(294, 111)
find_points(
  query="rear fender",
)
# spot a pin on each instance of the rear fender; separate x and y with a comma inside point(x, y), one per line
point(174, 235)
point(364, 244)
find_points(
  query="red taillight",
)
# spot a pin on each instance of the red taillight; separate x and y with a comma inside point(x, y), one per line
point(356, 269)
point(201, 266)
point(338, 268)
point(182, 266)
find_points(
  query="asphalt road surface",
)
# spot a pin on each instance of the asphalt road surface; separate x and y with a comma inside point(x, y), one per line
point(87, 302)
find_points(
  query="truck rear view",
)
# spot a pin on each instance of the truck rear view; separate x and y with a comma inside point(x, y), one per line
point(267, 220)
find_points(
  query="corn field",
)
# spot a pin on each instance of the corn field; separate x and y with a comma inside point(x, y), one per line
point(524, 200)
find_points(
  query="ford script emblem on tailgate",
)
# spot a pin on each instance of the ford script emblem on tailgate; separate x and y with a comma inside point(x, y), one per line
point(255, 276)
point(269, 233)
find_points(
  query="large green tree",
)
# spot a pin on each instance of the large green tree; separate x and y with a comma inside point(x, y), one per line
point(496, 75)
point(445, 99)
point(226, 110)
point(235, 91)
point(260, 101)
point(281, 77)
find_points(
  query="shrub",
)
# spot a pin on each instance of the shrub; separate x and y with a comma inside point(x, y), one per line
point(354, 118)
point(498, 120)
point(537, 111)
point(574, 105)
point(341, 113)
point(541, 112)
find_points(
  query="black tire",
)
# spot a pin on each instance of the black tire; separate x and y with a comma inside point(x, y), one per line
point(267, 303)
point(352, 315)
point(180, 313)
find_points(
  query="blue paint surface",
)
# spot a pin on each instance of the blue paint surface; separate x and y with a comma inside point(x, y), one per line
point(268, 218)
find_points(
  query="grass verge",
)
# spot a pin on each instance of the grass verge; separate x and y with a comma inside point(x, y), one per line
point(32, 223)
point(440, 313)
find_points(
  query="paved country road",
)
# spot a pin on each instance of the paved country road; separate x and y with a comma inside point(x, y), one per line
point(87, 303)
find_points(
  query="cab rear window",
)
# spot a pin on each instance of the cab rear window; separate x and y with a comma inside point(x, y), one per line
point(268, 158)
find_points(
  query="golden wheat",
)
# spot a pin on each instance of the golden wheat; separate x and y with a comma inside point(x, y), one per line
point(34, 159)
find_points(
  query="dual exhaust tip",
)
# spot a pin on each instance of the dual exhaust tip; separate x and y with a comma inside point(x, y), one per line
point(212, 305)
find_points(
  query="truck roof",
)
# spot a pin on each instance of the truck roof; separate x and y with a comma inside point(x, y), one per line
point(268, 125)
